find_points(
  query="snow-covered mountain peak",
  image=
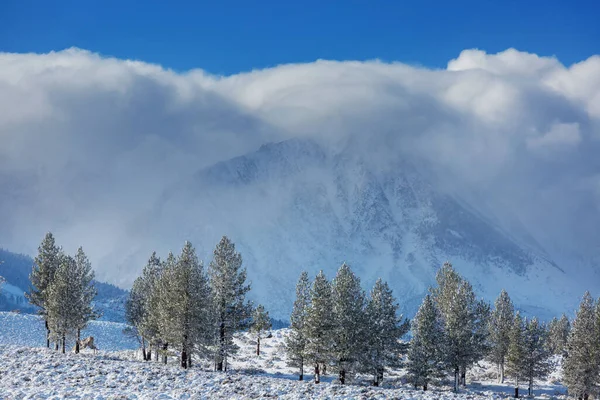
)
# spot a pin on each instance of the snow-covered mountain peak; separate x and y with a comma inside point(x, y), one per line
point(298, 205)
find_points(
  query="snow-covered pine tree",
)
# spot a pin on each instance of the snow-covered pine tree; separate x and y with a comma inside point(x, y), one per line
point(536, 361)
point(516, 351)
point(62, 300)
point(138, 309)
point(501, 321)
point(261, 323)
point(319, 325)
point(184, 305)
point(42, 274)
point(426, 349)
point(558, 334)
point(295, 342)
point(154, 322)
point(465, 322)
point(581, 366)
point(86, 293)
point(384, 330)
point(229, 288)
point(350, 323)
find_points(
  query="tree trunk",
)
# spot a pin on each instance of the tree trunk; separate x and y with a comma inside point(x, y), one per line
point(258, 346)
point(190, 359)
point(517, 392)
point(77, 341)
point(165, 347)
point(144, 355)
point(301, 377)
point(56, 344)
point(184, 358)
point(324, 369)
point(530, 389)
point(47, 334)
point(425, 386)
point(456, 379)
point(63, 343)
point(379, 376)
point(502, 372)
point(463, 376)
point(342, 376)
point(222, 346)
point(317, 375)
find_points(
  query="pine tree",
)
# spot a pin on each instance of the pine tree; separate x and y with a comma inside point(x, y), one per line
point(295, 342)
point(384, 330)
point(229, 288)
point(501, 321)
point(86, 293)
point(140, 311)
point(42, 274)
point(516, 351)
point(62, 300)
point(581, 366)
point(349, 320)
point(154, 323)
point(184, 305)
point(558, 334)
point(536, 361)
point(465, 322)
point(319, 325)
point(426, 350)
point(261, 323)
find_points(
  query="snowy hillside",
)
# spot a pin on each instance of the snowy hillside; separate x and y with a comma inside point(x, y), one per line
point(117, 372)
point(28, 330)
point(298, 205)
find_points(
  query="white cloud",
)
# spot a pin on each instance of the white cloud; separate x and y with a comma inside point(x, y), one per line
point(559, 135)
point(88, 143)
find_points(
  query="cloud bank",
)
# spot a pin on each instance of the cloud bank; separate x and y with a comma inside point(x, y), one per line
point(89, 143)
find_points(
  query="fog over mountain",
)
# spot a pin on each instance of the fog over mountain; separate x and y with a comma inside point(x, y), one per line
point(491, 163)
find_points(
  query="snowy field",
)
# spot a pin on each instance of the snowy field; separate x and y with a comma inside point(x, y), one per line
point(29, 371)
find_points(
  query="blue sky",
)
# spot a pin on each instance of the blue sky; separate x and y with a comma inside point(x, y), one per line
point(230, 36)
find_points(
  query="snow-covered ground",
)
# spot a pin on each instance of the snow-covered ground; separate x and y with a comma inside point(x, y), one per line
point(28, 371)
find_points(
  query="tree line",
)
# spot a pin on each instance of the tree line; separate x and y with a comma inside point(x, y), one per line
point(62, 289)
point(335, 325)
point(178, 305)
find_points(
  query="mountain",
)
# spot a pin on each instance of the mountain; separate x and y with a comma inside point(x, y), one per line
point(15, 268)
point(300, 205)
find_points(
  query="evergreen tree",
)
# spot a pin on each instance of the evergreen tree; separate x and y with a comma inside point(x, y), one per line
point(153, 323)
point(86, 293)
point(184, 305)
point(42, 274)
point(61, 300)
point(349, 321)
point(465, 322)
point(319, 325)
point(140, 312)
point(426, 350)
point(558, 334)
point(501, 321)
point(261, 323)
point(384, 330)
point(536, 360)
point(516, 351)
point(295, 342)
point(229, 288)
point(581, 366)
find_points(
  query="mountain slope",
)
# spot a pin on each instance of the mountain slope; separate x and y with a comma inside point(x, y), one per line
point(297, 205)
